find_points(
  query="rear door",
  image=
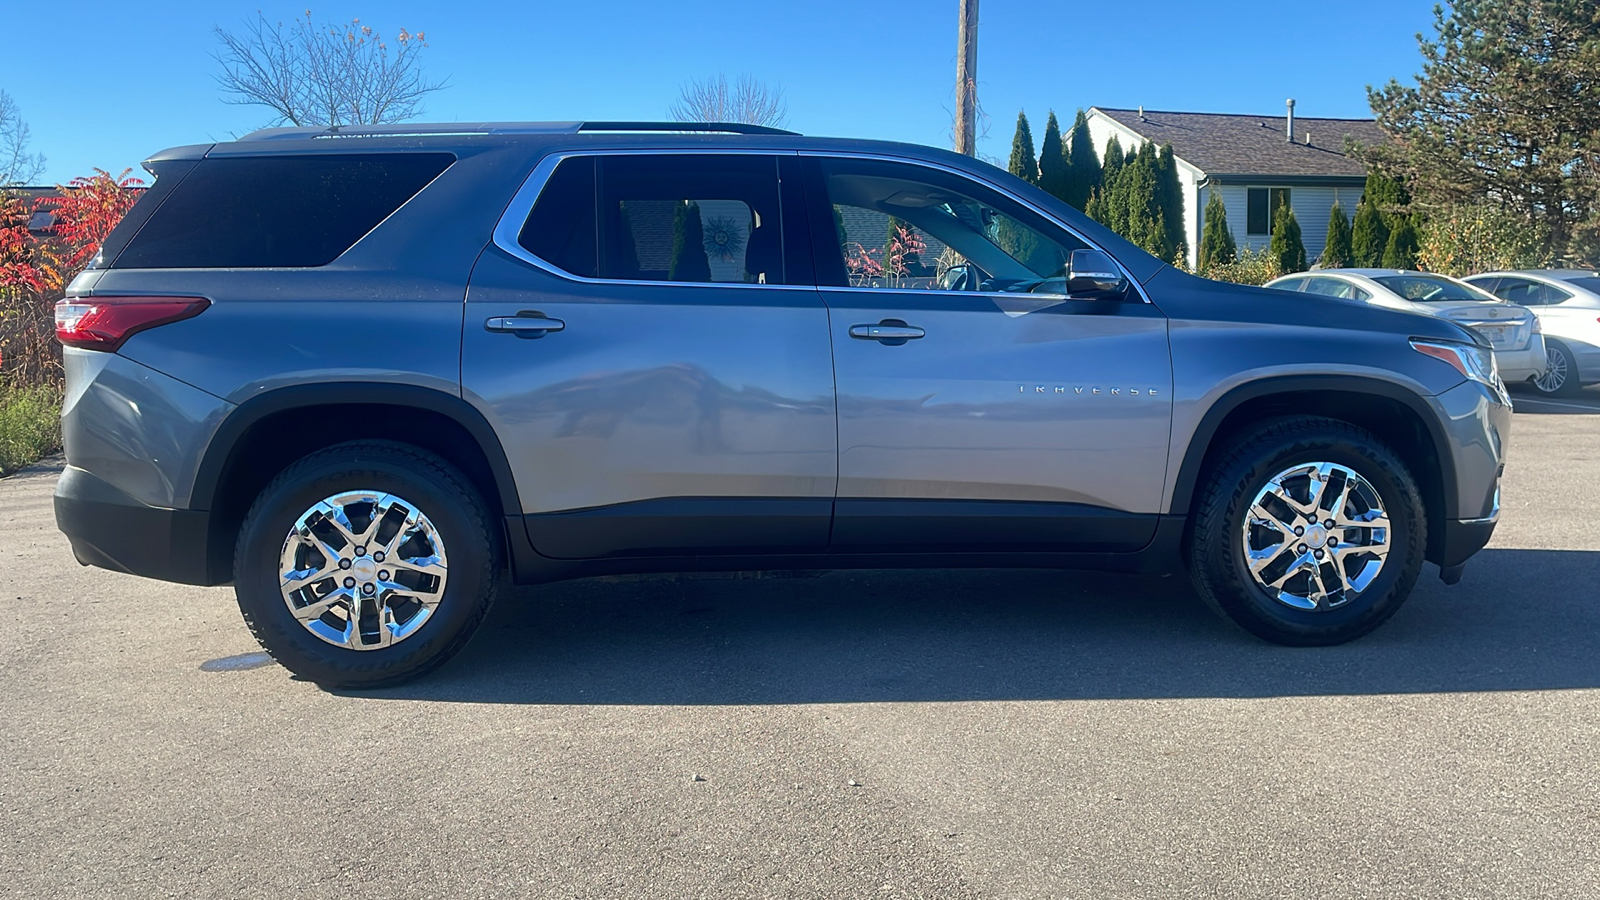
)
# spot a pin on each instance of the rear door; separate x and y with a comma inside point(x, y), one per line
point(979, 407)
point(652, 351)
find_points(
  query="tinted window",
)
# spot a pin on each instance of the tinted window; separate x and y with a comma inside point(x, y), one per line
point(1588, 283)
point(561, 228)
point(278, 211)
point(691, 218)
point(1290, 284)
point(903, 226)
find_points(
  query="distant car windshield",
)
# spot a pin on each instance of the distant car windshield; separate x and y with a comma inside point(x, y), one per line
point(1432, 289)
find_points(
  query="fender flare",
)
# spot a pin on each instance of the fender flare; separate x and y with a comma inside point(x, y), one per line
point(1205, 432)
point(238, 422)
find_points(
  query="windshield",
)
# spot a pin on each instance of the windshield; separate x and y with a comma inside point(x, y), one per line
point(1433, 289)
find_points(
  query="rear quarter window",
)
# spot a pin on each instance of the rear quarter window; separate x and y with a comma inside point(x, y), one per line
point(276, 212)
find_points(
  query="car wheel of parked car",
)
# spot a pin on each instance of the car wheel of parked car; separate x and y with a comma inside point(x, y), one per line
point(366, 564)
point(1560, 378)
point(1307, 532)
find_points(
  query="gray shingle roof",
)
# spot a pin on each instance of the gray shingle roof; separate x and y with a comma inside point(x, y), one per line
point(1226, 144)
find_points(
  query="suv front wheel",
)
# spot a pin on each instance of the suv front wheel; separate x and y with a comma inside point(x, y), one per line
point(365, 564)
point(1308, 532)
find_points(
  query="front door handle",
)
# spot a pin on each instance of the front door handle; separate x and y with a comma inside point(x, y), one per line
point(526, 324)
point(890, 331)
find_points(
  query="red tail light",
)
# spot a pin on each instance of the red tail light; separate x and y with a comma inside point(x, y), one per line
point(103, 323)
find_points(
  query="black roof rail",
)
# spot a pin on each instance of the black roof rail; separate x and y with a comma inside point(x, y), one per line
point(715, 127)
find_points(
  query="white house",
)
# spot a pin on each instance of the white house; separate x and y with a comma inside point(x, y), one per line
point(1254, 162)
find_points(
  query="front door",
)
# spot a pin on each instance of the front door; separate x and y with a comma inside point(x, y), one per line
point(654, 360)
point(979, 406)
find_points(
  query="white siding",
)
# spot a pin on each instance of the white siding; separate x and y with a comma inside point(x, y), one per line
point(1311, 205)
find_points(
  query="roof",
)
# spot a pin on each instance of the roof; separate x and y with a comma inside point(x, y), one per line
point(1228, 144)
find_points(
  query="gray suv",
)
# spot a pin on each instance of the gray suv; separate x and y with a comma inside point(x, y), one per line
point(364, 373)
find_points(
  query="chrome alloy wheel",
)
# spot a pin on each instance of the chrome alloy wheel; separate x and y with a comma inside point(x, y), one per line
point(362, 570)
point(1316, 536)
point(1554, 376)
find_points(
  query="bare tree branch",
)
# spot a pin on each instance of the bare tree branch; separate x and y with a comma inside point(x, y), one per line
point(310, 74)
point(17, 165)
point(747, 101)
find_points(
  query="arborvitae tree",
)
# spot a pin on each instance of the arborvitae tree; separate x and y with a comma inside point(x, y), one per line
point(1096, 207)
point(1140, 188)
point(1217, 247)
point(1083, 172)
point(1287, 247)
point(1368, 237)
point(1336, 253)
point(689, 260)
point(1401, 251)
point(1112, 162)
point(1170, 195)
point(1054, 174)
point(1023, 163)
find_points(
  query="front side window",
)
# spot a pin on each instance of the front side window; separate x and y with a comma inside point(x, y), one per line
point(897, 225)
point(1261, 211)
point(705, 219)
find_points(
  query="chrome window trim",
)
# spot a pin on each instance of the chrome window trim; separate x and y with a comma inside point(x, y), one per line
point(507, 229)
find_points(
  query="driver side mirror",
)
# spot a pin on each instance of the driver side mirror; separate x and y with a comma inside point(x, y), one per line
point(1092, 273)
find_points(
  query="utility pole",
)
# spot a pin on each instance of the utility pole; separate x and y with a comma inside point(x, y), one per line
point(967, 79)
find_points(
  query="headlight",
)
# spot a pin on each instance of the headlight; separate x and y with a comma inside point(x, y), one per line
point(1471, 360)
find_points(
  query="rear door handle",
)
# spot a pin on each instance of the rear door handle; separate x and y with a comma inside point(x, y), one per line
point(527, 324)
point(889, 331)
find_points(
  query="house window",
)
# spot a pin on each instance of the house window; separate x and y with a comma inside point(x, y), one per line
point(1263, 209)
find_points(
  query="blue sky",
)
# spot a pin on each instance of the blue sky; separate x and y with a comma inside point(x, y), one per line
point(106, 84)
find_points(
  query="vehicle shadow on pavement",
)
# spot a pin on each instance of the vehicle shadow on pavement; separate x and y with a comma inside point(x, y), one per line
point(1520, 620)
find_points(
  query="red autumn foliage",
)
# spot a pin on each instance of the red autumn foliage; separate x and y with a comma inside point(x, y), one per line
point(35, 269)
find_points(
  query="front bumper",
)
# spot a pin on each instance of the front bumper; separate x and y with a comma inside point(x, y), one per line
point(112, 530)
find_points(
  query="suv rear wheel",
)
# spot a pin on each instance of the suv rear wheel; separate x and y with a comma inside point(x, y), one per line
point(1308, 532)
point(365, 564)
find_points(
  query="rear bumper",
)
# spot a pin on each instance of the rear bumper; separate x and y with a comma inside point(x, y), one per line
point(112, 530)
point(1517, 366)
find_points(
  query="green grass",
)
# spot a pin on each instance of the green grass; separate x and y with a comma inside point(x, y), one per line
point(30, 425)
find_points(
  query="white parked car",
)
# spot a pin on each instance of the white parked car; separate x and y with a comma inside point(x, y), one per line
point(1567, 302)
point(1513, 331)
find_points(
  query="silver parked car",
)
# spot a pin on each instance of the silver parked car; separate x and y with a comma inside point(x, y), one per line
point(1567, 304)
point(364, 373)
point(1514, 332)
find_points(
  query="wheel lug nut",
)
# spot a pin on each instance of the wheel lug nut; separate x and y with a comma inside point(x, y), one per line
point(344, 563)
point(349, 582)
point(367, 588)
point(1333, 542)
point(1299, 530)
point(361, 551)
point(1319, 554)
point(383, 574)
point(377, 557)
point(1328, 524)
point(1302, 548)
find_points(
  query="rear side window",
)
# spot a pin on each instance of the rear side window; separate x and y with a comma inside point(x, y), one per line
point(691, 218)
point(277, 211)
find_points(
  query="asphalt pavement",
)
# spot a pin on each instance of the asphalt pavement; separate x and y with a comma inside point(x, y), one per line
point(937, 734)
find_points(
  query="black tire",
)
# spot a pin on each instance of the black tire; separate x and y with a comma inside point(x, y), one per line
point(1216, 552)
point(439, 490)
point(1574, 382)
